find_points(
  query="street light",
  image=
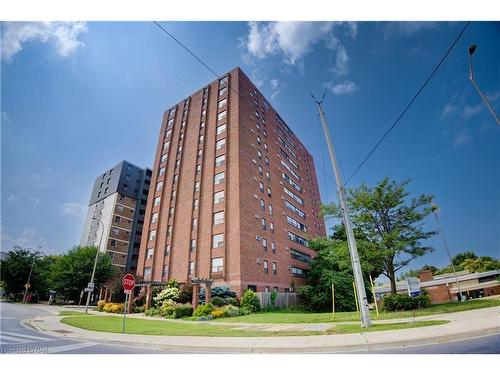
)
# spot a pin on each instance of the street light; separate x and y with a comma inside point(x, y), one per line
point(27, 285)
point(95, 265)
point(472, 49)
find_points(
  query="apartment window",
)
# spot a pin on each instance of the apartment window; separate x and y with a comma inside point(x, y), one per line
point(275, 271)
point(181, 136)
point(169, 229)
point(166, 145)
point(271, 226)
point(152, 235)
point(258, 126)
point(154, 218)
point(223, 91)
point(177, 163)
point(109, 180)
point(197, 186)
point(179, 150)
point(219, 178)
point(261, 186)
point(202, 124)
point(267, 161)
point(202, 137)
point(219, 197)
point(176, 176)
point(147, 273)
point(259, 154)
point(118, 219)
point(266, 267)
point(262, 205)
point(221, 129)
point(302, 257)
point(269, 192)
point(165, 272)
point(270, 207)
point(171, 211)
point(193, 245)
point(223, 81)
point(265, 146)
point(113, 243)
point(260, 170)
point(122, 197)
point(294, 209)
point(264, 132)
point(219, 218)
point(200, 153)
point(294, 196)
point(220, 143)
point(219, 160)
point(194, 223)
point(266, 289)
point(191, 268)
point(263, 224)
point(116, 231)
point(157, 201)
point(257, 114)
point(168, 133)
point(98, 194)
point(195, 204)
point(298, 272)
point(150, 253)
point(174, 193)
point(162, 171)
point(296, 224)
point(268, 176)
point(159, 186)
point(222, 103)
point(258, 140)
point(164, 158)
point(120, 208)
point(170, 122)
point(106, 191)
point(273, 246)
point(291, 182)
point(264, 244)
point(221, 116)
point(198, 168)
point(217, 240)
point(296, 238)
point(217, 265)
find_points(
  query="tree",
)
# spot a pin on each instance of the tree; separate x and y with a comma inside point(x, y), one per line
point(72, 271)
point(416, 273)
point(461, 257)
point(479, 264)
point(16, 268)
point(384, 217)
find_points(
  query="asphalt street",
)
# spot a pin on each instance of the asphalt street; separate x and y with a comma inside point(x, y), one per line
point(17, 338)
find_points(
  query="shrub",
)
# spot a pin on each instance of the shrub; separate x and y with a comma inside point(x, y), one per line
point(231, 310)
point(222, 291)
point(404, 302)
point(117, 308)
point(107, 307)
point(203, 318)
point(138, 309)
point(152, 312)
point(274, 294)
point(167, 309)
point(185, 293)
point(182, 310)
point(231, 301)
point(244, 311)
point(217, 301)
point(203, 310)
point(250, 301)
point(218, 313)
point(100, 305)
point(169, 293)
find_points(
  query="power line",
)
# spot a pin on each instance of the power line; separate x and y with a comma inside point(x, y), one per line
point(306, 86)
point(339, 39)
point(409, 104)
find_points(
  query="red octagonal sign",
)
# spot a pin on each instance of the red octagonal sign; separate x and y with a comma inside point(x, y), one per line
point(128, 282)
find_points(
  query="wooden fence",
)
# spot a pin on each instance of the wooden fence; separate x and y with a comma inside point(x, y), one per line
point(282, 299)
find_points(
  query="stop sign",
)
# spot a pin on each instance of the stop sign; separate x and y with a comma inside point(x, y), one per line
point(128, 282)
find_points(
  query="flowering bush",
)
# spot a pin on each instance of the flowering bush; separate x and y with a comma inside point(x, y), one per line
point(218, 313)
point(117, 308)
point(100, 305)
point(167, 309)
point(107, 307)
point(169, 293)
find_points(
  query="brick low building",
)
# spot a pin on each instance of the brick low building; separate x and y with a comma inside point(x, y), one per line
point(443, 288)
point(234, 196)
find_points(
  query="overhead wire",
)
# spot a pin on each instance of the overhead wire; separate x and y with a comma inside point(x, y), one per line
point(334, 60)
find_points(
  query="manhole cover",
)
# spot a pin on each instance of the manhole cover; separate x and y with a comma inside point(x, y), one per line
point(61, 331)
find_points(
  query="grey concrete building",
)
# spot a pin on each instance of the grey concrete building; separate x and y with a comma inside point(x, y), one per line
point(116, 213)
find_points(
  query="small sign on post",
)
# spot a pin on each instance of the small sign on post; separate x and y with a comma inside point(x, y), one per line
point(128, 283)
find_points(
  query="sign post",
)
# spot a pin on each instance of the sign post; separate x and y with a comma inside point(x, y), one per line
point(128, 283)
point(333, 302)
point(374, 296)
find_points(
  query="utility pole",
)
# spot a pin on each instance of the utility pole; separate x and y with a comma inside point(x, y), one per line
point(472, 49)
point(27, 285)
point(353, 250)
point(95, 266)
point(435, 209)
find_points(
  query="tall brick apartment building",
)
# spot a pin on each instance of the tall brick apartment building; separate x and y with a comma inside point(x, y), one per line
point(234, 195)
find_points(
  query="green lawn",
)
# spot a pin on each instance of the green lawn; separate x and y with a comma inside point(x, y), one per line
point(166, 328)
point(70, 313)
point(295, 317)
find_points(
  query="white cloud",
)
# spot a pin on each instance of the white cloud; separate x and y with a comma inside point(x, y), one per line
point(274, 83)
point(296, 38)
point(346, 87)
point(64, 35)
point(461, 139)
point(73, 209)
point(471, 110)
point(449, 109)
point(407, 28)
point(28, 238)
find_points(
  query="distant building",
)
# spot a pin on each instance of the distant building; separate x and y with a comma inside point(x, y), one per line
point(443, 288)
point(234, 194)
point(118, 201)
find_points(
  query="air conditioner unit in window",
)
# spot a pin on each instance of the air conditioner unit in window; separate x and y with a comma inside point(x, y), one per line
point(256, 216)
point(289, 267)
point(256, 196)
point(259, 261)
point(254, 178)
point(257, 238)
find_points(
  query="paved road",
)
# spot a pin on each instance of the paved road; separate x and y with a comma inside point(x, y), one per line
point(16, 338)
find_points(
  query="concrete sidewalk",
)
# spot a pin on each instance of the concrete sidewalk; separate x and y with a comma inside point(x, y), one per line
point(464, 324)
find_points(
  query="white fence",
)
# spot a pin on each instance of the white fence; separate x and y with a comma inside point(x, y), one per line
point(282, 299)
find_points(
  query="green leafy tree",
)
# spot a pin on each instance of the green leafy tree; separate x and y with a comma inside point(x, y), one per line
point(16, 268)
point(385, 217)
point(461, 257)
point(72, 271)
point(415, 273)
point(479, 264)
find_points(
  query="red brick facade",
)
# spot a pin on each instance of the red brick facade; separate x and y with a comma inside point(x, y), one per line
point(264, 167)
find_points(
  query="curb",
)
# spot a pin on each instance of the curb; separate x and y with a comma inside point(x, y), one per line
point(256, 348)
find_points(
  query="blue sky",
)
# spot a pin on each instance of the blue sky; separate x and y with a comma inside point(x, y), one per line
point(76, 98)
